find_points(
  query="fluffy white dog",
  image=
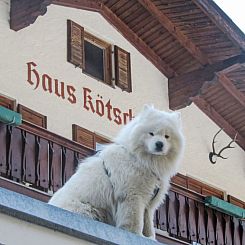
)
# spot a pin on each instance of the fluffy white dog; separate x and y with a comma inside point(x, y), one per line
point(124, 183)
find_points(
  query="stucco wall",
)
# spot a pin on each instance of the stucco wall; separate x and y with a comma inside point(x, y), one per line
point(45, 44)
point(15, 231)
point(228, 175)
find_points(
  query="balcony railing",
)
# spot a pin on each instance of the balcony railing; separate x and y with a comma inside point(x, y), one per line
point(36, 162)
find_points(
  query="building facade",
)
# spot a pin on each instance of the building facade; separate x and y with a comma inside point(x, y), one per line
point(46, 76)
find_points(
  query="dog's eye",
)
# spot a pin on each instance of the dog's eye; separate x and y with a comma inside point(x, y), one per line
point(166, 136)
point(152, 134)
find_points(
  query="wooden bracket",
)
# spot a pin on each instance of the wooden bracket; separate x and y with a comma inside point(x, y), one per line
point(25, 12)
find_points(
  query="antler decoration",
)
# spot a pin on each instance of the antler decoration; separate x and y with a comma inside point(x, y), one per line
point(216, 155)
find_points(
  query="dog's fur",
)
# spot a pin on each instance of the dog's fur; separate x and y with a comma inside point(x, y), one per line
point(124, 183)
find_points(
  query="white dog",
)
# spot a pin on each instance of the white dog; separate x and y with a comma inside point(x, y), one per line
point(124, 183)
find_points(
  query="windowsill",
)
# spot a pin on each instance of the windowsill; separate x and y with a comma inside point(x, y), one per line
point(43, 214)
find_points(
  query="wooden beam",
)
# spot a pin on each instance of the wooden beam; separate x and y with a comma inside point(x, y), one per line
point(175, 31)
point(222, 21)
point(23, 189)
point(231, 88)
point(137, 42)
point(25, 12)
point(219, 120)
point(91, 5)
point(181, 88)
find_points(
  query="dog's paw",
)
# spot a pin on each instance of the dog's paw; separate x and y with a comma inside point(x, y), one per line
point(152, 238)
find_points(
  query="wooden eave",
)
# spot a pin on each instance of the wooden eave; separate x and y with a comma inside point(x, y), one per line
point(192, 42)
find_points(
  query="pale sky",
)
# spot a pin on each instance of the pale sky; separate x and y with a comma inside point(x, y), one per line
point(235, 9)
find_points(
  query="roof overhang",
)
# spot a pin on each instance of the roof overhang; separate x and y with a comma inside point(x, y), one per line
point(192, 42)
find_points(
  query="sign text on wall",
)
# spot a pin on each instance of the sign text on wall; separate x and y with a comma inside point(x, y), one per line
point(68, 92)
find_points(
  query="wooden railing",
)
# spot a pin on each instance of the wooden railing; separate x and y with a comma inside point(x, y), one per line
point(33, 156)
point(36, 162)
point(185, 217)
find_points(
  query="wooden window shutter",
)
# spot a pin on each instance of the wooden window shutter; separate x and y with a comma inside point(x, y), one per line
point(236, 201)
point(180, 179)
point(83, 136)
point(122, 69)
point(75, 44)
point(204, 189)
point(32, 116)
point(7, 102)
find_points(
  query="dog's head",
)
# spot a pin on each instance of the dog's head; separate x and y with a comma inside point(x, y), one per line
point(154, 132)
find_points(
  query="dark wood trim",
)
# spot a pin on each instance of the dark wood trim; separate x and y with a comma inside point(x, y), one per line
point(222, 21)
point(219, 120)
point(32, 116)
point(175, 31)
point(91, 5)
point(8, 102)
point(75, 44)
point(25, 12)
point(107, 57)
point(236, 201)
point(89, 138)
point(196, 186)
point(137, 42)
point(56, 138)
point(23, 189)
point(83, 136)
point(182, 88)
point(231, 88)
point(101, 139)
point(118, 81)
point(186, 192)
point(169, 240)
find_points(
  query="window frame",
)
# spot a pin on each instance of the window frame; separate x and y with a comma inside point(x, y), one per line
point(107, 62)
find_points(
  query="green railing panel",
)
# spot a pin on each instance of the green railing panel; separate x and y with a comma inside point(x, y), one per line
point(225, 207)
point(10, 117)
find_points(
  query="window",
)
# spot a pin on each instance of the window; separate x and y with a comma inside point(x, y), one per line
point(94, 60)
point(94, 57)
point(97, 58)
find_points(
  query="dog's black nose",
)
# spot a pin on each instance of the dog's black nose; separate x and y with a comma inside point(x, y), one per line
point(159, 145)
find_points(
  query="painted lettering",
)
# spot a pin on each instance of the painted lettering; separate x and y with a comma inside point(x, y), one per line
point(100, 109)
point(29, 76)
point(97, 105)
point(87, 100)
point(117, 113)
point(109, 108)
point(59, 88)
point(71, 92)
point(47, 83)
point(127, 116)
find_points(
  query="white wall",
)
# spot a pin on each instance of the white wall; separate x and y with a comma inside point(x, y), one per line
point(14, 231)
point(228, 175)
point(44, 43)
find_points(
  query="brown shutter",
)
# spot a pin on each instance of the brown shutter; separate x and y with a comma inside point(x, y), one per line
point(86, 137)
point(236, 201)
point(32, 116)
point(101, 140)
point(7, 102)
point(83, 136)
point(204, 189)
point(122, 69)
point(75, 44)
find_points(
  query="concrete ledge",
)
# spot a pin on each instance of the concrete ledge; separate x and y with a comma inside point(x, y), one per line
point(40, 213)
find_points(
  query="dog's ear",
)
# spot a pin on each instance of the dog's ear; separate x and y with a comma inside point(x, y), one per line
point(176, 115)
point(148, 107)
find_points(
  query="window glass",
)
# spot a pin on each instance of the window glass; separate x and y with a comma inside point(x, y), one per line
point(94, 60)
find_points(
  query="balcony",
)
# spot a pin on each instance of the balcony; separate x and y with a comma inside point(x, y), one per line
point(36, 163)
